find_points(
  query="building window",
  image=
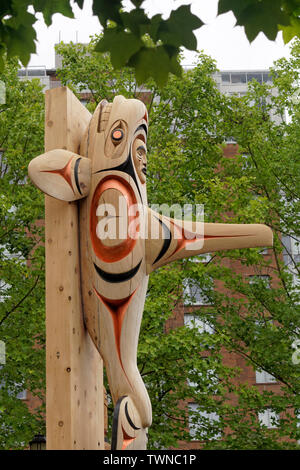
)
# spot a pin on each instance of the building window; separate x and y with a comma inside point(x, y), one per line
point(208, 377)
point(22, 395)
point(206, 419)
point(195, 295)
point(203, 258)
point(193, 321)
point(257, 279)
point(263, 377)
point(268, 418)
point(3, 165)
point(4, 288)
point(267, 78)
point(291, 249)
point(230, 140)
point(238, 78)
point(255, 76)
point(225, 77)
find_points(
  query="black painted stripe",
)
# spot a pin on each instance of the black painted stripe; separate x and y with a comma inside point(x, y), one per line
point(119, 277)
point(167, 241)
point(114, 433)
point(142, 127)
point(126, 167)
point(76, 174)
point(129, 419)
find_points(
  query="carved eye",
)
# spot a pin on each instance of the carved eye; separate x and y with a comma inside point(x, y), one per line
point(117, 135)
point(140, 152)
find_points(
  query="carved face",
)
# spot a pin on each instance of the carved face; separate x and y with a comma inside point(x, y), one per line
point(139, 153)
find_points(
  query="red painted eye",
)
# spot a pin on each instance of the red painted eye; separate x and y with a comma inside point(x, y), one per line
point(117, 135)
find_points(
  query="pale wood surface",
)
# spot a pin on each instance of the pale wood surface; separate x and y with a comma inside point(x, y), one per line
point(113, 308)
point(114, 269)
point(61, 174)
point(74, 400)
point(188, 239)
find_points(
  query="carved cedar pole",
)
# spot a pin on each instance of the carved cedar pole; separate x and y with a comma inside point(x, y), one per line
point(74, 399)
point(121, 242)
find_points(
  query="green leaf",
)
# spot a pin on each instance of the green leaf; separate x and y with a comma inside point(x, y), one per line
point(137, 3)
point(236, 6)
point(290, 31)
point(79, 3)
point(50, 7)
point(20, 42)
point(154, 26)
point(154, 62)
point(107, 10)
point(257, 16)
point(178, 29)
point(136, 20)
point(120, 44)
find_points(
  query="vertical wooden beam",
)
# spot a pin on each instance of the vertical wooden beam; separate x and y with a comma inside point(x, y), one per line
point(74, 371)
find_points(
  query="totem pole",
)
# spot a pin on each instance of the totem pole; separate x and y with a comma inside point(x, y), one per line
point(121, 241)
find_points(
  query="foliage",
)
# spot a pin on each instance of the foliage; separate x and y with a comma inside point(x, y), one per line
point(256, 325)
point(21, 260)
point(127, 33)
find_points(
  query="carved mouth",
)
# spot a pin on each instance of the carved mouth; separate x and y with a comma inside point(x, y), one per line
point(144, 170)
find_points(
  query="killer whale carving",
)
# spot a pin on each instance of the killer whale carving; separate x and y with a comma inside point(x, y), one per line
point(108, 179)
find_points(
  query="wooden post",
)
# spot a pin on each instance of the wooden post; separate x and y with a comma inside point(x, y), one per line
point(111, 274)
point(74, 370)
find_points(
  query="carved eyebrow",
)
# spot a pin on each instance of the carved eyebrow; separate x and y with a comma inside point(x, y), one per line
point(142, 127)
point(141, 147)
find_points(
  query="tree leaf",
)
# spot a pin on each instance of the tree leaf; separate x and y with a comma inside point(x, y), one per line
point(136, 20)
point(263, 16)
point(20, 42)
point(107, 10)
point(120, 44)
point(50, 7)
point(290, 31)
point(236, 6)
point(178, 29)
point(257, 16)
point(153, 62)
point(79, 3)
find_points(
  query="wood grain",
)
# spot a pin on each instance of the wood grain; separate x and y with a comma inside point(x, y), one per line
point(74, 399)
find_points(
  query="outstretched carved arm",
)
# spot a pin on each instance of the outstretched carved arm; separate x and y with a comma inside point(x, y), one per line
point(170, 239)
point(61, 174)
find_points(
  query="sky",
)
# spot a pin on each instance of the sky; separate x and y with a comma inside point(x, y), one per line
point(218, 38)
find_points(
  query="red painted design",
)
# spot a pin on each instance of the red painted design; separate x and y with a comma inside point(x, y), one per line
point(117, 308)
point(126, 439)
point(111, 254)
point(146, 116)
point(182, 241)
point(141, 137)
point(65, 172)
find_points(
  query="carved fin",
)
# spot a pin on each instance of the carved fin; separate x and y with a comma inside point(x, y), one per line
point(61, 174)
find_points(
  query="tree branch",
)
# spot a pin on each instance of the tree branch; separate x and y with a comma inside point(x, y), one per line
point(20, 302)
